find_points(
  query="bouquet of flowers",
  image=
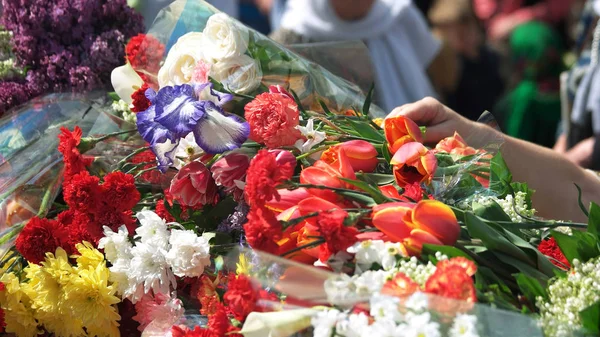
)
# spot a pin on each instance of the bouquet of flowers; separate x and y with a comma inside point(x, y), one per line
point(220, 139)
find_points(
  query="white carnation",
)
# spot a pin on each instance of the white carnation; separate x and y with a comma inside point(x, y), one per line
point(189, 253)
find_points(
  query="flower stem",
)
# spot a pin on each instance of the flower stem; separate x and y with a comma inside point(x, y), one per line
point(124, 161)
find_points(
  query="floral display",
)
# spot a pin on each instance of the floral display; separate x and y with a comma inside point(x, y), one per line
point(231, 200)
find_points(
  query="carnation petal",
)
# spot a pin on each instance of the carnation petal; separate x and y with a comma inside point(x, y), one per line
point(217, 133)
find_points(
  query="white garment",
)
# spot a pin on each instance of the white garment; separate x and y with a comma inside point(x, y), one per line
point(399, 41)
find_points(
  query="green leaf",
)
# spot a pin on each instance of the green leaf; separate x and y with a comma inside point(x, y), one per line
point(523, 187)
point(377, 178)
point(531, 288)
point(385, 151)
point(590, 318)
point(325, 108)
point(113, 96)
point(594, 220)
point(581, 205)
point(360, 198)
point(500, 175)
point(523, 267)
point(492, 238)
point(374, 192)
point(298, 102)
point(492, 211)
point(219, 263)
point(581, 245)
point(368, 100)
point(366, 131)
point(567, 245)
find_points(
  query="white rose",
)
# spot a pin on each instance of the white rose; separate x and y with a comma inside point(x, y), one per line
point(223, 38)
point(182, 59)
point(240, 74)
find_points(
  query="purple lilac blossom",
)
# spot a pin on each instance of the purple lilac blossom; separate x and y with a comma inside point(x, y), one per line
point(236, 220)
point(67, 44)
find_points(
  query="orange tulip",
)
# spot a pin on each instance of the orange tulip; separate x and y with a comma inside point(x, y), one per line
point(361, 154)
point(324, 174)
point(428, 221)
point(413, 163)
point(456, 145)
point(390, 191)
point(401, 130)
point(288, 199)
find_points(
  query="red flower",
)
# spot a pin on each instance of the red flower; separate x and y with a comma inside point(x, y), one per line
point(38, 237)
point(400, 286)
point(413, 192)
point(145, 52)
point(119, 188)
point(77, 225)
point(452, 281)
point(140, 101)
point(219, 322)
point(205, 290)
point(551, 249)
point(240, 296)
point(194, 186)
point(74, 161)
point(338, 237)
point(273, 118)
point(162, 212)
point(264, 175)
point(230, 171)
point(177, 331)
point(154, 176)
point(82, 192)
point(263, 230)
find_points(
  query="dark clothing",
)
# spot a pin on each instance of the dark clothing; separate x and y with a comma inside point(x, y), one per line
point(480, 85)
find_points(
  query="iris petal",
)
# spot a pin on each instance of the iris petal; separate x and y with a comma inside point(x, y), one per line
point(217, 132)
point(165, 153)
point(177, 109)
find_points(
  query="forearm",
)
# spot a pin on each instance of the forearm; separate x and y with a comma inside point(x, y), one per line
point(553, 178)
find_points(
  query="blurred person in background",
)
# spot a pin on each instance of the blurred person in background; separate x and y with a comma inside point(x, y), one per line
point(502, 17)
point(531, 110)
point(479, 84)
point(402, 48)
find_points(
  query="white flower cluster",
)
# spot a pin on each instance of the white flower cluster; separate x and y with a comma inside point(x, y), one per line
point(121, 108)
point(520, 203)
point(386, 319)
point(153, 262)
point(343, 289)
point(222, 46)
point(568, 296)
point(369, 252)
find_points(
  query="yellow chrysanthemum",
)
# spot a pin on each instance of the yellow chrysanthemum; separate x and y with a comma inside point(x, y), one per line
point(58, 266)
point(90, 256)
point(43, 290)
point(18, 315)
point(243, 267)
point(91, 298)
point(65, 325)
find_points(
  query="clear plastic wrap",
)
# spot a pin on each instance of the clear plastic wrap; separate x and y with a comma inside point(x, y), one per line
point(303, 287)
point(276, 65)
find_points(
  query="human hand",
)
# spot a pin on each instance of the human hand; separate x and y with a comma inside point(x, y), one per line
point(441, 121)
point(581, 153)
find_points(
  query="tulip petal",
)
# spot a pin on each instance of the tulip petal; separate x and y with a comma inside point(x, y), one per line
point(288, 199)
point(316, 204)
point(408, 152)
point(217, 133)
point(400, 130)
point(437, 219)
point(389, 219)
point(125, 81)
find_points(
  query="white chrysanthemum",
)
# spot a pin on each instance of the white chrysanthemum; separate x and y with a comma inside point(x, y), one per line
point(421, 326)
point(189, 253)
point(153, 230)
point(385, 308)
point(464, 326)
point(120, 277)
point(149, 267)
point(324, 322)
point(115, 245)
point(417, 302)
point(356, 325)
point(385, 328)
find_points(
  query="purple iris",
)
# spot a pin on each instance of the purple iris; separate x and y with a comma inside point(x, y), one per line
point(176, 111)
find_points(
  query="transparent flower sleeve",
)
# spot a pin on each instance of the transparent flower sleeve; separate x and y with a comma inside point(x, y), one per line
point(263, 60)
point(305, 287)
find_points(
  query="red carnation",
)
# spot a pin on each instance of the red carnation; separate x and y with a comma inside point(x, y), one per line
point(452, 281)
point(551, 249)
point(219, 322)
point(240, 296)
point(77, 225)
point(119, 188)
point(74, 161)
point(162, 212)
point(338, 237)
point(177, 331)
point(413, 192)
point(264, 175)
point(140, 101)
point(145, 52)
point(153, 176)
point(263, 230)
point(38, 237)
point(273, 118)
point(82, 192)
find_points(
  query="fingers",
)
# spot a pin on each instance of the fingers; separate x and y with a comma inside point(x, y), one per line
point(427, 111)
